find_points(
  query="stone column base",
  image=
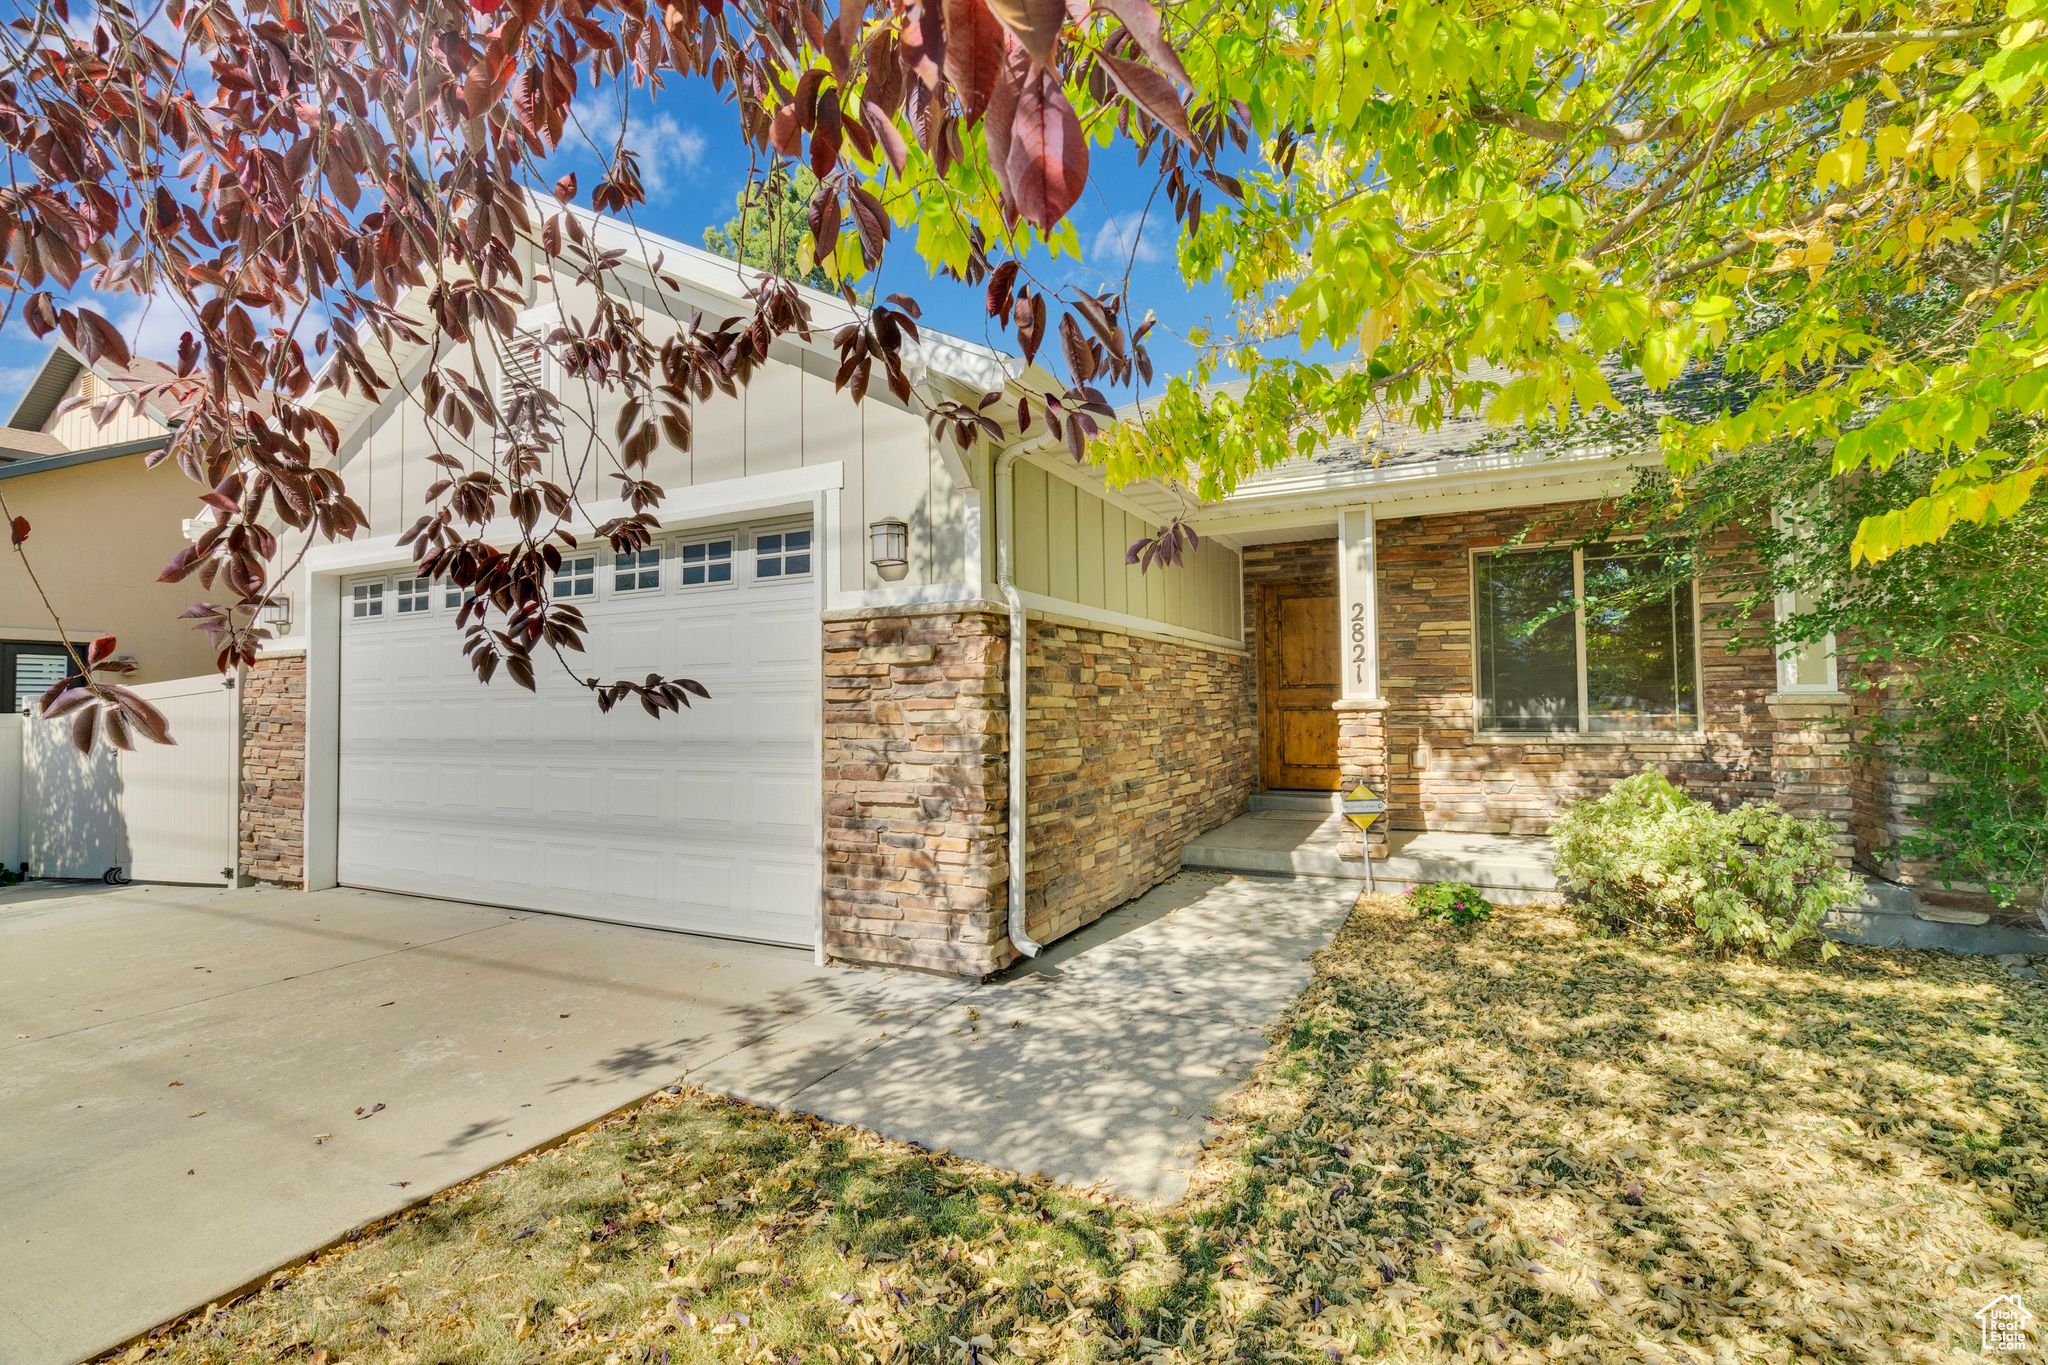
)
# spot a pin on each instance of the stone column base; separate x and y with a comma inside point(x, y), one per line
point(1812, 773)
point(1362, 757)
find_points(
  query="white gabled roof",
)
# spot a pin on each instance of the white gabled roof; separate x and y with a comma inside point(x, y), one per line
point(716, 286)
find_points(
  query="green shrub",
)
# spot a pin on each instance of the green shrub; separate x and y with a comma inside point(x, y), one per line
point(1454, 903)
point(1647, 856)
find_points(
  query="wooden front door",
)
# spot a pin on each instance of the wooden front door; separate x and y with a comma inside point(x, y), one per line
point(1299, 679)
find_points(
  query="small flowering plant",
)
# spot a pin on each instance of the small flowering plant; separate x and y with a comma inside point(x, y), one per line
point(1454, 903)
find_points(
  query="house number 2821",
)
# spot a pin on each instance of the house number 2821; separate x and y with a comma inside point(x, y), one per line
point(1358, 660)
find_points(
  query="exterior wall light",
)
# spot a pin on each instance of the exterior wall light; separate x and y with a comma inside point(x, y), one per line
point(889, 544)
point(276, 615)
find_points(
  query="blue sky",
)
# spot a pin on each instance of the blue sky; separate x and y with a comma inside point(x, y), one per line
point(694, 165)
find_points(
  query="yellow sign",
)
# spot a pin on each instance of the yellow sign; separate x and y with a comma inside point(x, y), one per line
point(1364, 806)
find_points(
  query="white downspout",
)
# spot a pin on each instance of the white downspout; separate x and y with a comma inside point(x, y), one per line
point(1006, 527)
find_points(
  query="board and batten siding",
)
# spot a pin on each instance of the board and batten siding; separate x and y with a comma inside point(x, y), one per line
point(78, 429)
point(1070, 545)
point(787, 418)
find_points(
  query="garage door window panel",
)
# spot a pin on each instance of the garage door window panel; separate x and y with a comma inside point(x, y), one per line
point(782, 554)
point(366, 601)
point(708, 563)
point(577, 578)
point(414, 596)
point(637, 570)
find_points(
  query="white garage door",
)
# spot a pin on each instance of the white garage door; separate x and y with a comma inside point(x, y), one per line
point(705, 821)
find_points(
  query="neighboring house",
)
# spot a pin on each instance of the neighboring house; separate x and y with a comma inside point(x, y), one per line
point(834, 574)
point(102, 527)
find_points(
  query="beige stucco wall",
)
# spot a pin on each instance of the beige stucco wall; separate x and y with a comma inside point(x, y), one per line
point(101, 534)
point(1071, 544)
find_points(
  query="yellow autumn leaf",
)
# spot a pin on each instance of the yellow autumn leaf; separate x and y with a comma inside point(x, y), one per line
point(1904, 56)
point(1842, 164)
point(1852, 114)
point(1892, 142)
point(1818, 253)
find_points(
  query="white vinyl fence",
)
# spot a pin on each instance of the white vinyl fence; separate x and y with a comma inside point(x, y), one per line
point(163, 813)
point(13, 824)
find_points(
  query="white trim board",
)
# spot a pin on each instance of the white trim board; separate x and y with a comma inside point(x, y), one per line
point(1076, 611)
point(908, 595)
point(1393, 505)
point(700, 505)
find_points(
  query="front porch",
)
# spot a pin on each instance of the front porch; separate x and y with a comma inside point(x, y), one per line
point(1301, 834)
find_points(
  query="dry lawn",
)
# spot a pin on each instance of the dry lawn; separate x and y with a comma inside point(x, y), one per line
point(1509, 1142)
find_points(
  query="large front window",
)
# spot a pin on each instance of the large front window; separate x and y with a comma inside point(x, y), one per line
point(1554, 655)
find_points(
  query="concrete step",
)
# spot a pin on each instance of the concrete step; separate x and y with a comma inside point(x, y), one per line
point(1289, 842)
point(1321, 803)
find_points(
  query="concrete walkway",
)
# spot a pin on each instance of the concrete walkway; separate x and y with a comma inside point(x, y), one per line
point(197, 1086)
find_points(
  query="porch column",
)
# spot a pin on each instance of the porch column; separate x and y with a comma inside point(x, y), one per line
point(1362, 757)
point(1361, 711)
point(1811, 767)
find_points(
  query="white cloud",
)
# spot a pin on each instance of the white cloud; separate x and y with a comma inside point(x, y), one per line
point(14, 381)
point(152, 325)
point(665, 147)
point(1121, 239)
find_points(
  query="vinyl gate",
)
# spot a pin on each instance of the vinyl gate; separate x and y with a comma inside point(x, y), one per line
point(163, 813)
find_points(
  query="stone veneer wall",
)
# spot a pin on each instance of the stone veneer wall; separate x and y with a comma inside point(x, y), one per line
point(1444, 778)
point(1887, 797)
point(915, 774)
point(1813, 763)
point(273, 786)
point(1137, 742)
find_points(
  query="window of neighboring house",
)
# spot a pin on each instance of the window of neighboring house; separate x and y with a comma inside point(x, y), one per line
point(1599, 670)
point(577, 577)
point(414, 595)
point(707, 562)
point(366, 600)
point(782, 554)
point(637, 570)
point(27, 671)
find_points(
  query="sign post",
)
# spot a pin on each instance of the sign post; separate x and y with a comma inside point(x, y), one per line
point(1362, 806)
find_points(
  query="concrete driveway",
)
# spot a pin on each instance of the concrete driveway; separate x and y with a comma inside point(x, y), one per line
point(201, 1085)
